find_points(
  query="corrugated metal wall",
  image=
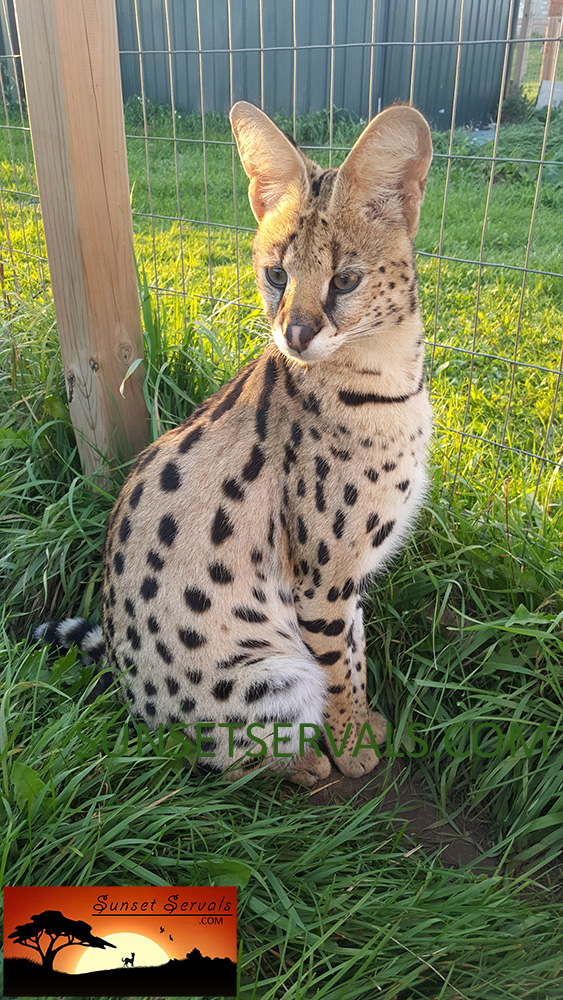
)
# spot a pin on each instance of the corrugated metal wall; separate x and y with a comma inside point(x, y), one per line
point(372, 54)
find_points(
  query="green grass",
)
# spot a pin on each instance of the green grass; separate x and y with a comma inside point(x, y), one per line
point(464, 628)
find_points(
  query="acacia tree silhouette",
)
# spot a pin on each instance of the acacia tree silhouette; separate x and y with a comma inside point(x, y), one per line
point(54, 925)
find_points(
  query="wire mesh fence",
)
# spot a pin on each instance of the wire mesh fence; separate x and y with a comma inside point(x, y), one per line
point(489, 246)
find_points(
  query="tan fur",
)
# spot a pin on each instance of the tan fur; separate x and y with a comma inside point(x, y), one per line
point(300, 477)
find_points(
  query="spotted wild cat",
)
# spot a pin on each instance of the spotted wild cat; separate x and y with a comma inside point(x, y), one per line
point(237, 551)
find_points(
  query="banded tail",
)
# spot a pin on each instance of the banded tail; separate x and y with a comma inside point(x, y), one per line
point(85, 635)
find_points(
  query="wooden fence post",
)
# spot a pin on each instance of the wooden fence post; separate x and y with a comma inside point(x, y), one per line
point(70, 60)
point(550, 49)
point(521, 56)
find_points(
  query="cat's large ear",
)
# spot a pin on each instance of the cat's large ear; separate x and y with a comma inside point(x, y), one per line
point(387, 168)
point(275, 167)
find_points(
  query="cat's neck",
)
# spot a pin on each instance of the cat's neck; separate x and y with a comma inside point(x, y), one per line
point(389, 362)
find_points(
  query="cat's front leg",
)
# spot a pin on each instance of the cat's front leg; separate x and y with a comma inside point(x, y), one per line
point(335, 635)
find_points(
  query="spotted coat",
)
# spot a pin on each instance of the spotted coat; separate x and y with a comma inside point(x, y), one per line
point(239, 547)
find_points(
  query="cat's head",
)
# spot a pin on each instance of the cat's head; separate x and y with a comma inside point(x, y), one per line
point(333, 250)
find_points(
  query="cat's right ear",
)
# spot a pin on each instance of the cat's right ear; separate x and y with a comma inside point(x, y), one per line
point(275, 167)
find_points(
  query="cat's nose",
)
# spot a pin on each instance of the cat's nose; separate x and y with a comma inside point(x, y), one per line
point(299, 337)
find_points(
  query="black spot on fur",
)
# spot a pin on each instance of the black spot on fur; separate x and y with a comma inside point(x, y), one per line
point(254, 643)
point(232, 490)
point(389, 466)
point(170, 477)
point(264, 401)
point(296, 433)
point(256, 691)
point(301, 489)
point(320, 501)
point(256, 556)
point(322, 467)
point(311, 404)
point(136, 495)
point(253, 467)
point(196, 600)
point(335, 627)
point(154, 560)
point(285, 597)
point(145, 458)
point(302, 532)
point(111, 597)
point(372, 475)
point(167, 530)
point(315, 434)
point(333, 594)
point(348, 589)
point(259, 595)
point(336, 689)
point(220, 574)
point(165, 655)
point(404, 485)
point(344, 456)
point(119, 563)
point(129, 607)
point(249, 615)
point(289, 459)
point(171, 682)
point(150, 708)
point(372, 522)
point(290, 386)
point(148, 588)
point(191, 639)
point(383, 533)
point(315, 626)
point(339, 523)
point(323, 554)
point(350, 398)
point(134, 637)
point(124, 529)
point(327, 659)
point(190, 439)
point(187, 706)
point(350, 494)
point(150, 689)
point(222, 527)
point(222, 690)
point(232, 661)
point(153, 625)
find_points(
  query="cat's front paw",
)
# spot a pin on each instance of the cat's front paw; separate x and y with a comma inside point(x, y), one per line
point(309, 769)
point(357, 763)
point(359, 757)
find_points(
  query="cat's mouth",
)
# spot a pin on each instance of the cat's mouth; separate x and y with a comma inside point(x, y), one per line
point(300, 346)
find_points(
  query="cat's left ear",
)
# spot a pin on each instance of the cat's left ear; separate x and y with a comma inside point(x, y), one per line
point(387, 168)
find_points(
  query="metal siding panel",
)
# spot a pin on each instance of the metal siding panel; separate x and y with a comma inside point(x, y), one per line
point(127, 38)
point(480, 65)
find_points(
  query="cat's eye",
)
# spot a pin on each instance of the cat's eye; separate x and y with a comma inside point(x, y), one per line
point(345, 282)
point(276, 276)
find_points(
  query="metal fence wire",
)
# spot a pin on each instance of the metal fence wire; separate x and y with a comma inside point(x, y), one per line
point(488, 250)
